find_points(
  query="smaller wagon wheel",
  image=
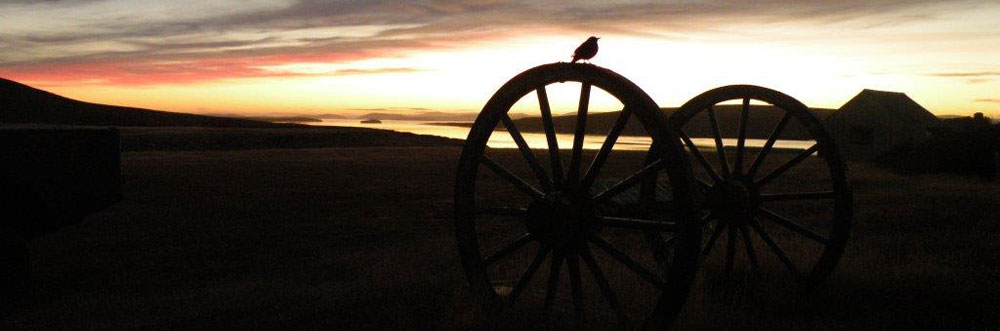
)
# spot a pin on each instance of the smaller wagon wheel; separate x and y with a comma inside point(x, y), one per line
point(550, 216)
point(785, 208)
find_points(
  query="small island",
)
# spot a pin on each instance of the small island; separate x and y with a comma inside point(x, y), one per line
point(371, 121)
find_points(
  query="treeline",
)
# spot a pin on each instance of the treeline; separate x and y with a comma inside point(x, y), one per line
point(968, 146)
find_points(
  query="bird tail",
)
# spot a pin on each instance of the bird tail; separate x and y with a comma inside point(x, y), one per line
point(574, 59)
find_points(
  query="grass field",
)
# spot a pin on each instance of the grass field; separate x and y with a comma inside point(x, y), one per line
point(362, 238)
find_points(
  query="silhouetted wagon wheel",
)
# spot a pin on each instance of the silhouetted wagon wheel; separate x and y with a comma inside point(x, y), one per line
point(509, 223)
point(788, 207)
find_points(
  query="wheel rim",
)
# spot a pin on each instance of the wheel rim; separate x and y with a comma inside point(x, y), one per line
point(565, 219)
point(743, 198)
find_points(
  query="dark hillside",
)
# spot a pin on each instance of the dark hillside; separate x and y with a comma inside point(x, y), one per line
point(20, 103)
point(24, 107)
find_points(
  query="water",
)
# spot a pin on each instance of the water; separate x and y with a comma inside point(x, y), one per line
point(501, 139)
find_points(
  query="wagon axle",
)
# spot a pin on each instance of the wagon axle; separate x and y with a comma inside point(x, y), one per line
point(733, 201)
point(559, 221)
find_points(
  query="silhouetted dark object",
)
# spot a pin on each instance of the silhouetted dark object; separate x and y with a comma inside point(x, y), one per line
point(875, 122)
point(980, 119)
point(741, 193)
point(586, 51)
point(51, 178)
point(564, 217)
point(964, 145)
point(565, 211)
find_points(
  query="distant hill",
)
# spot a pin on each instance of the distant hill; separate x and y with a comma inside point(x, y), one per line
point(421, 116)
point(762, 121)
point(286, 119)
point(20, 103)
point(329, 116)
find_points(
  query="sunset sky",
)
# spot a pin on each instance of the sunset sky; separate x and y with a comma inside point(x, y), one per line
point(310, 56)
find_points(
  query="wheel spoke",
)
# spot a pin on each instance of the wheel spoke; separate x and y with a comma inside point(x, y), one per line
point(791, 163)
point(631, 264)
point(705, 219)
point(720, 148)
point(701, 158)
point(573, 264)
point(741, 141)
point(553, 284)
point(775, 249)
point(636, 224)
point(659, 249)
point(602, 283)
point(503, 252)
point(550, 135)
point(629, 181)
point(578, 135)
point(527, 153)
point(528, 274)
point(768, 145)
point(730, 249)
point(502, 211)
point(798, 196)
point(751, 253)
point(609, 143)
point(711, 239)
point(789, 224)
point(512, 178)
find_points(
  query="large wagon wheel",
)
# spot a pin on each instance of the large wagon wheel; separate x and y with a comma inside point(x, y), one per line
point(798, 222)
point(560, 213)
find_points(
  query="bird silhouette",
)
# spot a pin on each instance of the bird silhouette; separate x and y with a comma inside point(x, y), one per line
point(586, 50)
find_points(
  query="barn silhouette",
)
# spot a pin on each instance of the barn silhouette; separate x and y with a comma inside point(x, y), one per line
point(874, 122)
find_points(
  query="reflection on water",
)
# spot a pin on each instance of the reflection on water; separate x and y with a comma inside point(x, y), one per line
point(501, 139)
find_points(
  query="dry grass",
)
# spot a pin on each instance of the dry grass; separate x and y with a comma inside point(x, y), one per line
point(362, 238)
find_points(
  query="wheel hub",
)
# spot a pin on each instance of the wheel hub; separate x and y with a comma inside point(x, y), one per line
point(733, 200)
point(559, 221)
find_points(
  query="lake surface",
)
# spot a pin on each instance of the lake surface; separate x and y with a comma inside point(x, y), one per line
point(501, 139)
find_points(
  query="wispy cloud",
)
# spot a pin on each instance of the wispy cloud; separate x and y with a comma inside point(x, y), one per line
point(988, 100)
point(128, 41)
point(375, 71)
point(969, 77)
point(966, 74)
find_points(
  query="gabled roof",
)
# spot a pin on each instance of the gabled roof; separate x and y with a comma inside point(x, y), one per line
point(897, 104)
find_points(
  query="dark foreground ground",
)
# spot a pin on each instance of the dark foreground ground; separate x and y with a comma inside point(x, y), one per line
point(362, 238)
point(165, 138)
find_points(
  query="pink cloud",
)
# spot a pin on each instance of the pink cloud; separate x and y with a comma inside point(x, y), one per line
point(160, 70)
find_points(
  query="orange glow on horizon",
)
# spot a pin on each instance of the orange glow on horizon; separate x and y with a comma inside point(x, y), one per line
point(815, 63)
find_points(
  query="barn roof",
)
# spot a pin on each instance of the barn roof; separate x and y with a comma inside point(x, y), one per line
point(896, 103)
